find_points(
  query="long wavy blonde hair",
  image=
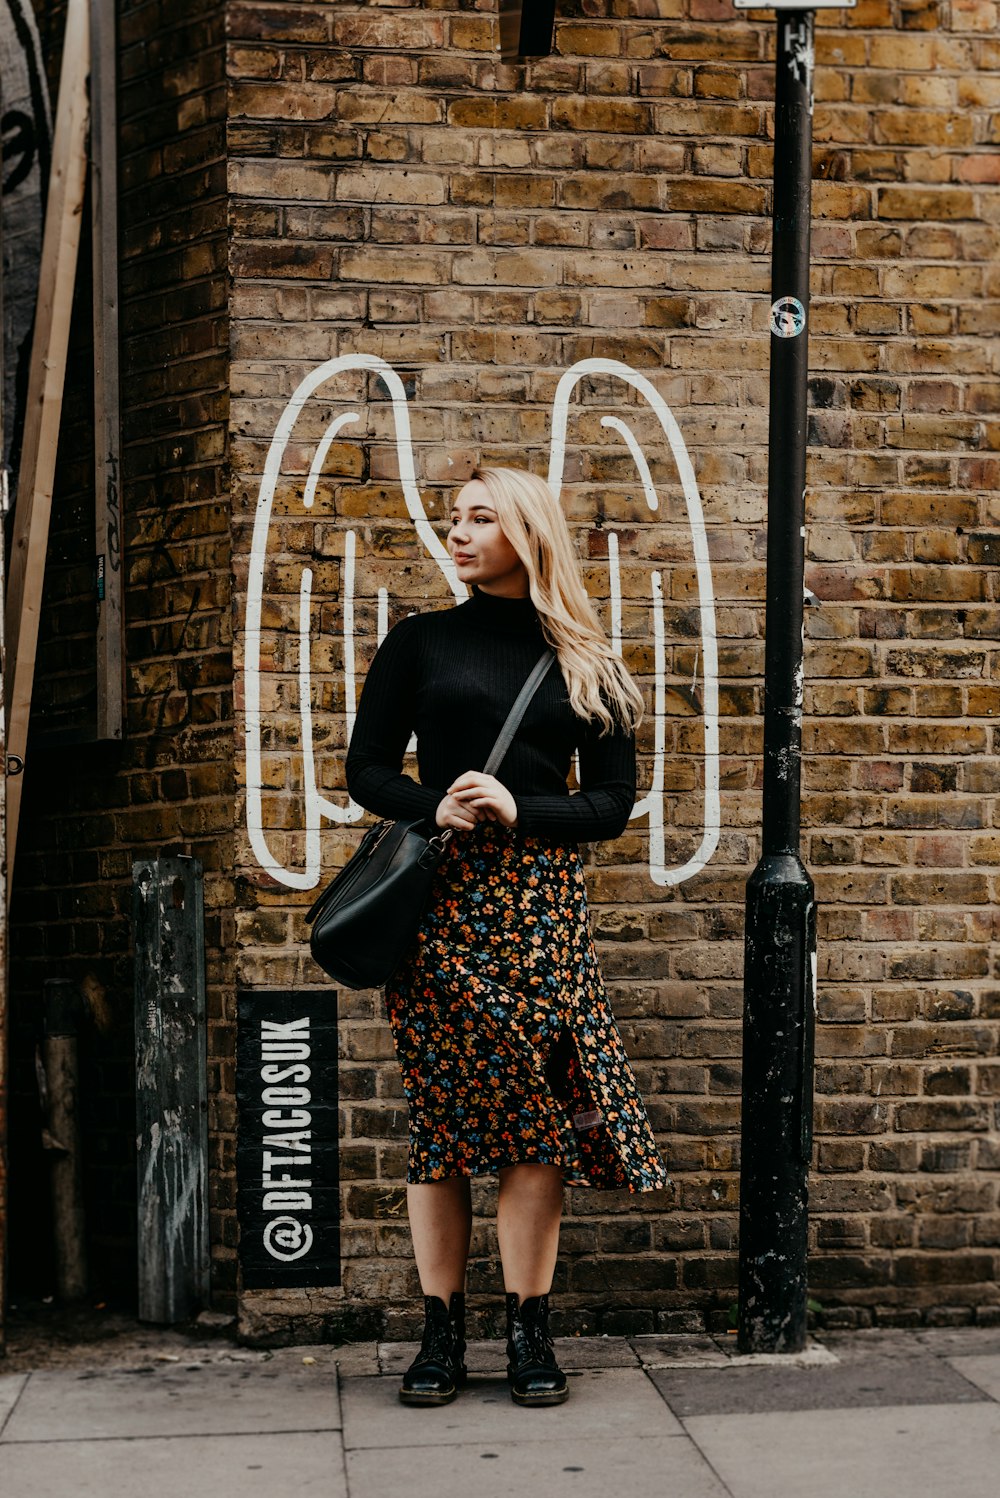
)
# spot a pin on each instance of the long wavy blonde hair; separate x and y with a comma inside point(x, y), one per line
point(599, 686)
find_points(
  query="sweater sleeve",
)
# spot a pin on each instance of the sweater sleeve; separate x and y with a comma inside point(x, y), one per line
point(602, 806)
point(382, 731)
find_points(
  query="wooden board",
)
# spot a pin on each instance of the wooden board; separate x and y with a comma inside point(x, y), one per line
point(107, 413)
point(46, 380)
point(4, 1000)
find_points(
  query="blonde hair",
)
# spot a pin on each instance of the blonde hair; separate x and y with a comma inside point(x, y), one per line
point(598, 683)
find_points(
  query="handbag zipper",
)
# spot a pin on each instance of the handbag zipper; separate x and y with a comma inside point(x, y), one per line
point(384, 831)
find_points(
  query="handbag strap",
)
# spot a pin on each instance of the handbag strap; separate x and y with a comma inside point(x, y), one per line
point(517, 712)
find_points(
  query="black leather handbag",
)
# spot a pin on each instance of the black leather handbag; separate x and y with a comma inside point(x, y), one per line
point(366, 920)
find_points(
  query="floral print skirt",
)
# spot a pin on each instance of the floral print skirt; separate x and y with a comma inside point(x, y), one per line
point(508, 1048)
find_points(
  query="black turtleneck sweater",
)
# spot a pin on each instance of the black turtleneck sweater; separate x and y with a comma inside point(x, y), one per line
point(452, 677)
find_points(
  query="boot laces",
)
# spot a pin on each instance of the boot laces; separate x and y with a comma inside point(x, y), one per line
point(537, 1340)
point(540, 1343)
point(438, 1343)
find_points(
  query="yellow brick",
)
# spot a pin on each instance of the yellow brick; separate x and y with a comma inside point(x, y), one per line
point(916, 127)
point(412, 267)
point(709, 120)
point(588, 40)
point(919, 203)
point(499, 114)
point(390, 184)
point(618, 116)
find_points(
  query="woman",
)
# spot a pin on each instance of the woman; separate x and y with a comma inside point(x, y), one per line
point(511, 1061)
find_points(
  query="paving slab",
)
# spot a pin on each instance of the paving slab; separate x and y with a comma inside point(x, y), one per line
point(855, 1347)
point(889, 1342)
point(593, 1352)
point(953, 1341)
point(309, 1464)
point(679, 1352)
point(175, 1401)
point(11, 1386)
point(874, 1383)
point(611, 1404)
point(927, 1451)
point(644, 1467)
point(811, 1356)
point(491, 1356)
point(984, 1372)
point(351, 1357)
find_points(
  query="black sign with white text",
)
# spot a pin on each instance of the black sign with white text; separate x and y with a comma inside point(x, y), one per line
point(288, 1199)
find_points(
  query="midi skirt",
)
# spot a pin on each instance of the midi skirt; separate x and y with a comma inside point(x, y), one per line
point(508, 1048)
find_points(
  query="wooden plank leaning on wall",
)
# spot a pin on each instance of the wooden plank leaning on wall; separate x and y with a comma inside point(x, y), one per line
point(46, 382)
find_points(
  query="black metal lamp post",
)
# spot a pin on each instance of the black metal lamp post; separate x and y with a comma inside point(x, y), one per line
point(780, 944)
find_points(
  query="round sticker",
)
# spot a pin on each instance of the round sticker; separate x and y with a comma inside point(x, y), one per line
point(788, 317)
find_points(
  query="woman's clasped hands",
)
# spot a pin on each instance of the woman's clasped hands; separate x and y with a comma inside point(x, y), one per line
point(475, 797)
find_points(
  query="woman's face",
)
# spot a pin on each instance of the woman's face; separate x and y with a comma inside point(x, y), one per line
point(479, 548)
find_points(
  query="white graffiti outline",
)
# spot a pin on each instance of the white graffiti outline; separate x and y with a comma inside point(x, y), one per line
point(318, 806)
point(652, 803)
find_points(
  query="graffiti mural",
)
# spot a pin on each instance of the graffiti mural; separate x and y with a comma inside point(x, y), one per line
point(637, 394)
point(26, 127)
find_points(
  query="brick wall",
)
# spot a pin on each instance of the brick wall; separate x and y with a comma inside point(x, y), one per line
point(394, 192)
point(481, 227)
point(91, 809)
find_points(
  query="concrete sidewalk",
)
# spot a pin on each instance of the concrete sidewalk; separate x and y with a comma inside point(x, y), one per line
point(891, 1414)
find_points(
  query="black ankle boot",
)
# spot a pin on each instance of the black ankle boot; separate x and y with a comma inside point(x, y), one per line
point(532, 1371)
point(438, 1370)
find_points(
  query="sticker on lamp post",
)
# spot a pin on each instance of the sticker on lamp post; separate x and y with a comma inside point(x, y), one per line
point(788, 317)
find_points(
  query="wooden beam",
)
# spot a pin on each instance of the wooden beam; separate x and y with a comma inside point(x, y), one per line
point(46, 381)
point(4, 1008)
point(107, 418)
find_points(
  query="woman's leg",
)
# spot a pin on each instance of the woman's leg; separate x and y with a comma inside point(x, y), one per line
point(528, 1213)
point(440, 1224)
point(440, 1215)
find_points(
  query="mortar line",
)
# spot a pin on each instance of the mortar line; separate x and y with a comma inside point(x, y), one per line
point(707, 1460)
point(176, 1435)
point(343, 1444)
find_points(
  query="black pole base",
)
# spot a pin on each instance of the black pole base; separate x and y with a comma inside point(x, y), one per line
point(778, 1027)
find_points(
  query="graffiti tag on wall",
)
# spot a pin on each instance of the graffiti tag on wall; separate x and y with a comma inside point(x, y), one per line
point(318, 807)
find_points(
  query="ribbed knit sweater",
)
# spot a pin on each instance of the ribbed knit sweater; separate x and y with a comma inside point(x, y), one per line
point(452, 677)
